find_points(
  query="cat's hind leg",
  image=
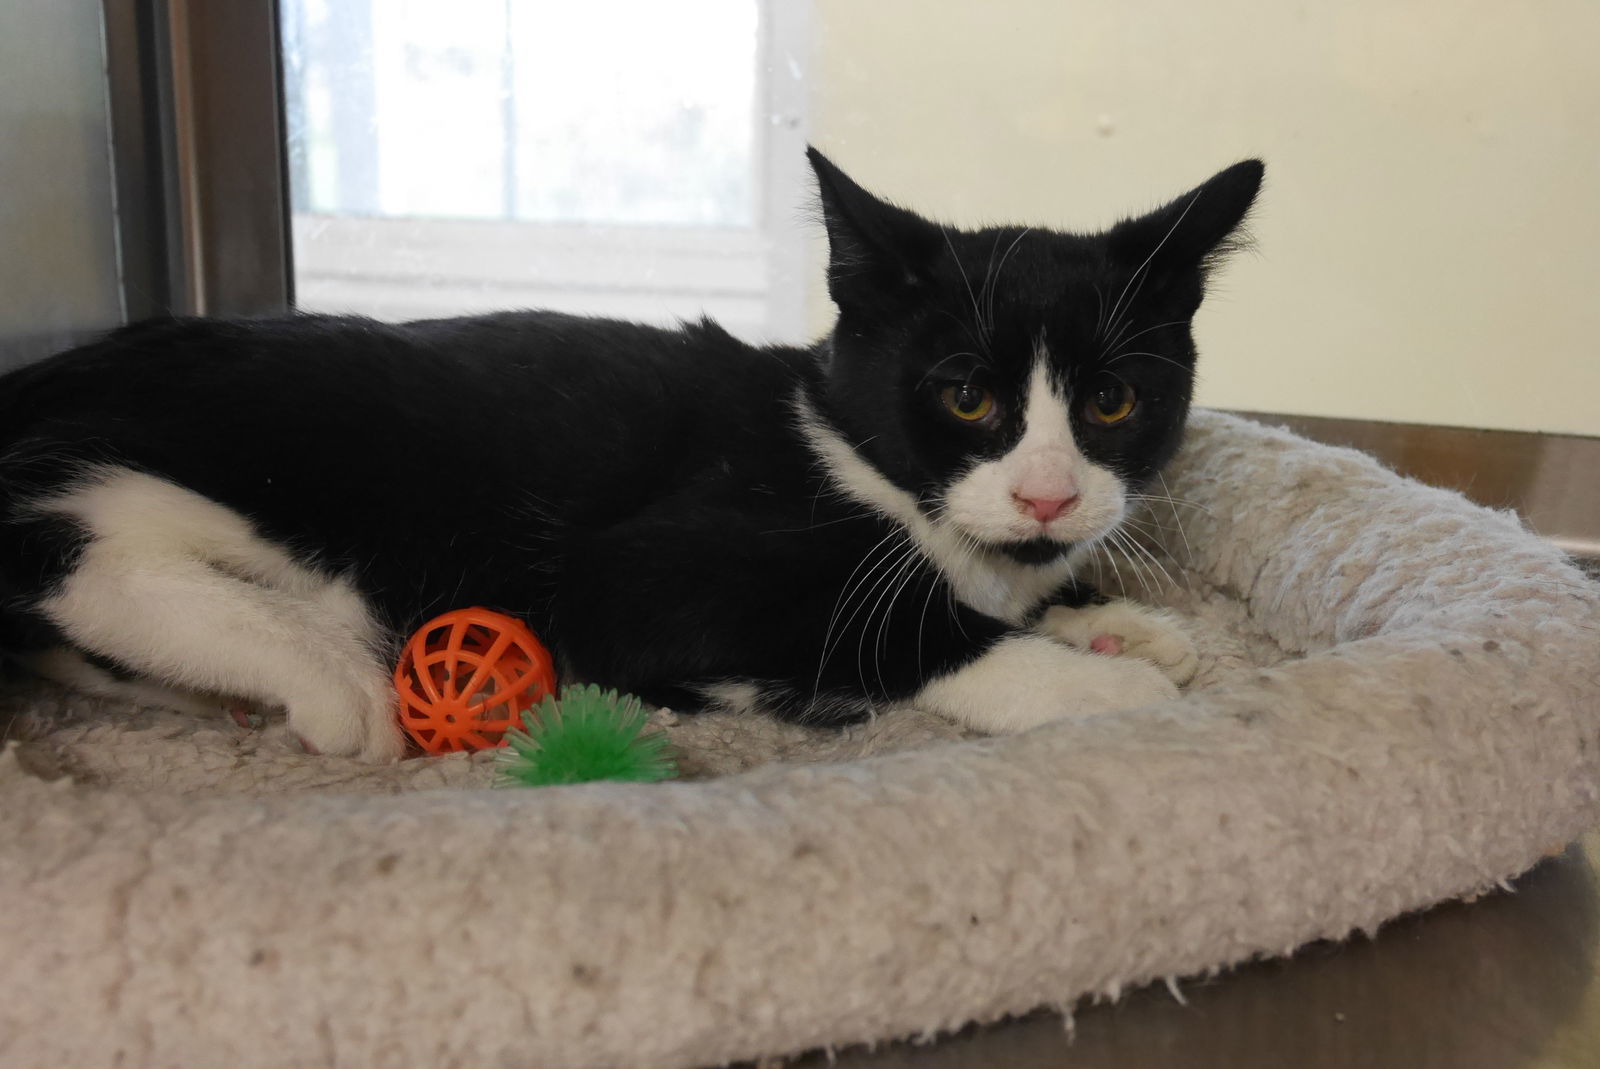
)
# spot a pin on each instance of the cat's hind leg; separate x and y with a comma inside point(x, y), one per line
point(179, 588)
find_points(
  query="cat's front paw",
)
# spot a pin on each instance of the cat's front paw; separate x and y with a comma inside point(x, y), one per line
point(1026, 681)
point(1121, 627)
point(357, 722)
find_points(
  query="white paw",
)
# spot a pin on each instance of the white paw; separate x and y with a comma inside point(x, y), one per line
point(356, 724)
point(1029, 680)
point(1147, 634)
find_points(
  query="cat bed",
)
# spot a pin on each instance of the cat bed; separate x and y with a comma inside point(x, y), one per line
point(1398, 704)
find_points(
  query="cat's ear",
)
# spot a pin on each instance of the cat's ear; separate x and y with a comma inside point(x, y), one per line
point(876, 250)
point(1181, 240)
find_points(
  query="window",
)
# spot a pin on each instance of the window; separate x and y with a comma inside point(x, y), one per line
point(456, 156)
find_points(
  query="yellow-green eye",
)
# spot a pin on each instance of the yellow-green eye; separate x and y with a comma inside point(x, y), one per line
point(1110, 404)
point(967, 402)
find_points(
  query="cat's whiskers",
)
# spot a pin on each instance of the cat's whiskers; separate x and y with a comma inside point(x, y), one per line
point(977, 314)
point(1141, 333)
point(846, 592)
point(935, 368)
point(1111, 560)
point(988, 278)
point(1173, 504)
point(1136, 548)
point(861, 512)
point(876, 576)
point(1177, 519)
point(1154, 356)
point(826, 486)
point(1143, 271)
point(1142, 559)
point(934, 584)
point(1119, 378)
point(968, 547)
point(902, 577)
point(885, 584)
point(1149, 526)
point(1117, 333)
point(992, 282)
point(1168, 499)
point(969, 329)
point(1121, 337)
point(1119, 541)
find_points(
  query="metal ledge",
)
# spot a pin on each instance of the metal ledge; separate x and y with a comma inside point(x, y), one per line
point(1549, 479)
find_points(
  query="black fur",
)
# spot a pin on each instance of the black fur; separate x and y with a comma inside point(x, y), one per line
point(641, 496)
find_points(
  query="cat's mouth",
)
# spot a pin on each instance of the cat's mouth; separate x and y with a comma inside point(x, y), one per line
point(1033, 550)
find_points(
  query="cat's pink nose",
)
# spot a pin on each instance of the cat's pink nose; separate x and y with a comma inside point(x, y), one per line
point(1044, 509)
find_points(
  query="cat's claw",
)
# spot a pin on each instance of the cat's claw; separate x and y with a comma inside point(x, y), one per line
point(1121, 628)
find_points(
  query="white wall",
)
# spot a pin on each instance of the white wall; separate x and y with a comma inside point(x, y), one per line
point(1429, 241)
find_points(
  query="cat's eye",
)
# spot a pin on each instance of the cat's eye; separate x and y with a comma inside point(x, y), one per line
point(967, 402)
point(1110, 404)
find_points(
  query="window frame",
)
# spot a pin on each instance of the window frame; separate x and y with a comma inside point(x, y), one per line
point(752, 279)
point(195, 93)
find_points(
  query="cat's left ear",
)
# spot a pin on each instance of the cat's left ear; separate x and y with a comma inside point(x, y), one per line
point(1182, 239)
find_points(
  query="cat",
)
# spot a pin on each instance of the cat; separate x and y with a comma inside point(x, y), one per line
point(896, 514)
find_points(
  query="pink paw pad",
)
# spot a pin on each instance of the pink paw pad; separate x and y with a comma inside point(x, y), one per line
point(1107, 644)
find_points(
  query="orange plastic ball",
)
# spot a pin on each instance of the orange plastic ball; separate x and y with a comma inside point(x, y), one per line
point(465, 677)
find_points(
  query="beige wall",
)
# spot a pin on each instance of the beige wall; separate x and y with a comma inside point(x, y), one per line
point(1429, 236)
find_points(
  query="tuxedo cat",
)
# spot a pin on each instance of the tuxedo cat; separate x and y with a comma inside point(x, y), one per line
point(265, 509)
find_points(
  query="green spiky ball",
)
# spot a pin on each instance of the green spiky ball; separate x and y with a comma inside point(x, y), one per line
point(586, 734)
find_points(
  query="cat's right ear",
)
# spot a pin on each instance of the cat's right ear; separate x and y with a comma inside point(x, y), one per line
point(876, 250)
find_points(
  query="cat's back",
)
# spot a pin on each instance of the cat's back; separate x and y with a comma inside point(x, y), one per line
point(480, 379)
point(313, 420)
point(191, 360)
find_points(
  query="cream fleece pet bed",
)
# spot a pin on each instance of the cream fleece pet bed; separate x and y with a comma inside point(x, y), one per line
point(1399, 704)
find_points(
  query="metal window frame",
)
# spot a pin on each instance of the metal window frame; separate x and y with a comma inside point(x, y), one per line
point(195, 93)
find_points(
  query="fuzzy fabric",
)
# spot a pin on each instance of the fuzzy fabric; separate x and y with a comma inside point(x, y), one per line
point(1399, 704)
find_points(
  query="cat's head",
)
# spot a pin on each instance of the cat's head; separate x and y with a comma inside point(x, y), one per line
point(1013, 385)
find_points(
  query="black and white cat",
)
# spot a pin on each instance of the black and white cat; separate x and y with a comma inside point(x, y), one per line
point(265, 509)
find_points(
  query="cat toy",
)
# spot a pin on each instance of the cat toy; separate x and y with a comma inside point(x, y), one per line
point(467, 678)
point(588, 734)
point(464, 678)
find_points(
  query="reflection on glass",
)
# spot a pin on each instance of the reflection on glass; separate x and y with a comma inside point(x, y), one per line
point(489, 109)
point(611, 157)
